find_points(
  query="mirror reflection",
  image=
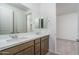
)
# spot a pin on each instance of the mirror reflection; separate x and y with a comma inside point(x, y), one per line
point(41, 23)
point(16, 18)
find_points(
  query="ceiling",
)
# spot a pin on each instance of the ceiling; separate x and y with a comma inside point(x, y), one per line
point(64, 8)
point(19, 5)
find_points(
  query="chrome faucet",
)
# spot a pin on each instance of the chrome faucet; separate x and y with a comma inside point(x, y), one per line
point(14, 36)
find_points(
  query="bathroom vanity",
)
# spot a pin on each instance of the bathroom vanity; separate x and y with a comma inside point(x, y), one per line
point(20, 34)
point(36, 46)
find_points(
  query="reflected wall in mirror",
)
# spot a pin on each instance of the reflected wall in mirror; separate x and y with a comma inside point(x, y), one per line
point(18, 18)
point(41, 23)
point(29, 22)
point(20, 22)
point(6, 21)
point(14, 19)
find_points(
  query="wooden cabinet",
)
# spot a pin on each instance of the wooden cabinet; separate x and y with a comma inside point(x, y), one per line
point(38, 46)
point(28, 51)
point(19, 48)
point(44, 45)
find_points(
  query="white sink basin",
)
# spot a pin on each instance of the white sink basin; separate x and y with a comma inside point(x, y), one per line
point(17, 39)
point(2, 43)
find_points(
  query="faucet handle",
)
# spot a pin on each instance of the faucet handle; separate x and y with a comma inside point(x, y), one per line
point(13, 35)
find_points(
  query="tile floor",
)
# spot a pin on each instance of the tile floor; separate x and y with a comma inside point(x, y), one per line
point(66, 47)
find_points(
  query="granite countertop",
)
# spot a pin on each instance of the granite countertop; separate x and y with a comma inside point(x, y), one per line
point(4, 44)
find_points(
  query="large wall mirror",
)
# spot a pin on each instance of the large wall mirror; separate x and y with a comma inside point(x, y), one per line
point(6, 20)
point(15, 18)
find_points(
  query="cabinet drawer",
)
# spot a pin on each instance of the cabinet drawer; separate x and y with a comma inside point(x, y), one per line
point(37, 47)
point(28, 51)
point(16, 49)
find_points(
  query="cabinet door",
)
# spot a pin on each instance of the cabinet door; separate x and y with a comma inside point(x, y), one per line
point(37, 47)
point(44, 45)
point(28, 51)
